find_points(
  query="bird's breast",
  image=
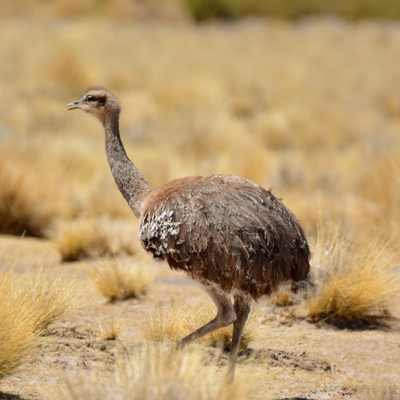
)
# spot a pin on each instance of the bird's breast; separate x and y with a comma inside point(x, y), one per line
point(157, 231)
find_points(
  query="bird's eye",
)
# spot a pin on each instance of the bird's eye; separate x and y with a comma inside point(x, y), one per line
point(90, 98)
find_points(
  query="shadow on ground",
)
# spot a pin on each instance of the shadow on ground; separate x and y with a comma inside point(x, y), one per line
point(296, 398)
point(8, 396)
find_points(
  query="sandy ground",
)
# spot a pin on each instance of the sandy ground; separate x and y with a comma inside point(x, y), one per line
point(290, 358)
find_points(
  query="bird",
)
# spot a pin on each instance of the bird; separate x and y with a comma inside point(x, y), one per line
point(235, 238)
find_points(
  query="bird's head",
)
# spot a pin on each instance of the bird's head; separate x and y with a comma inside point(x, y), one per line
point(98, 102)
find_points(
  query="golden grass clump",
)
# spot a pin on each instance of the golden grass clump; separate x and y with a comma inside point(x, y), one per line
point(35, 183)
point(355, 282)
point(155, 372)
point(29, 303)
point(164, 325)
point(90, 237)
point(121, 280)
point(381, 188)
point(17, 335)
point(176, 322)
point(51, 296)
point(110, 328)
point(24, 208)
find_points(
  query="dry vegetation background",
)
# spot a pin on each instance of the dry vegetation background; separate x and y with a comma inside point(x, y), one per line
point(310, 108)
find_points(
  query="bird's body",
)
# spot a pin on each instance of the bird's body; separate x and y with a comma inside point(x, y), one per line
point(226, 231)
point(229, 234)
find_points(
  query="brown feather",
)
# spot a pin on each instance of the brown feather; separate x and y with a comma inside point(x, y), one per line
point(225, 230)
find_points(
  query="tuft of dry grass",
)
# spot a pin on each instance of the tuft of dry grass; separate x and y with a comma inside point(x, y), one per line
point(121, 279)
point(176, 322)
point(35, 176)
point(154, 372)
point(381, 186)
point(355, 284)
point(91, 237)
point(49, 298)
point(164, 325)
point(17, 336)
point(110, 328)
point(24, 209)
point(281, 299)
point(29, 304)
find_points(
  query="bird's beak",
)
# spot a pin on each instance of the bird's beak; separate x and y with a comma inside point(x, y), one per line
point(74, 105)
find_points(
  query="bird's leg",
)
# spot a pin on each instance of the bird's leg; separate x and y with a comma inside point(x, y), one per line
point(225, 316)
point(242, 310)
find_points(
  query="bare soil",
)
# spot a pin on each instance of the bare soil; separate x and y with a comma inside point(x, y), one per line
point(290, 359)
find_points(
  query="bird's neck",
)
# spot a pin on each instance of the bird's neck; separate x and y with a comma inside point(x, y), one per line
point(129, 180)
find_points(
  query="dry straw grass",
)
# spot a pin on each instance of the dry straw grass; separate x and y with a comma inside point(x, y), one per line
point(35, 190)
point(175, 322)
point(381, 186)
point(110, 328)
point(25, 207)
point(384, 390)
point(355, 285)
point(172, 10)
point(166, 324)
point(17, 336)
point(281, 119)
point(155, 372)
point(91, 237)
point(121, 279)
point(29, 304)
